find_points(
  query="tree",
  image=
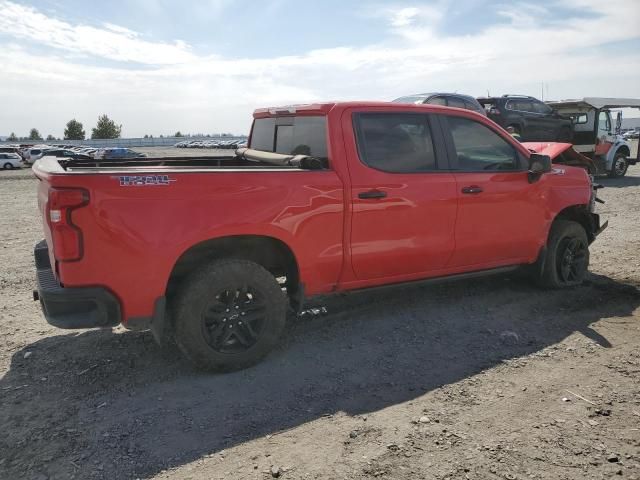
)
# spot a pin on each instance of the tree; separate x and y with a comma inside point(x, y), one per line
point(74, 130)
point(34, 134)
point(106, 128)
point(50, 138)
point(146, 135)
point(12, 137)
point(178, 134)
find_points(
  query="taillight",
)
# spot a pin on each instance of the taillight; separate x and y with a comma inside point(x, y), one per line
point(67, 238)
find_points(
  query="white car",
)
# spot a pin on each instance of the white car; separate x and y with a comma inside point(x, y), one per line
point(33, 154)
point(9, 161)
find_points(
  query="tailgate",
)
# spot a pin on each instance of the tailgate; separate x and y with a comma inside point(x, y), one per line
point(43, 200)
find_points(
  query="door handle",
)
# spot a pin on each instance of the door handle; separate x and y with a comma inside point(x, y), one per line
point(372, 194)
point(473, 189)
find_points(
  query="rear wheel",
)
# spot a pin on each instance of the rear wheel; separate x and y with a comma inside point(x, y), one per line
point(229, 315)
point(619, 166)
point(567, 257)
point(7, 166)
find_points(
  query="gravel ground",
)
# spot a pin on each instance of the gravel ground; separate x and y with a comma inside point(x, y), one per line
point(485, 379)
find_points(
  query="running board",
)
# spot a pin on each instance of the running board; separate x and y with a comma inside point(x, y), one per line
point(447, 278)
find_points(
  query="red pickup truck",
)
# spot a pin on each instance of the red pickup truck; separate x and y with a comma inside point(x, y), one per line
point(327, 198)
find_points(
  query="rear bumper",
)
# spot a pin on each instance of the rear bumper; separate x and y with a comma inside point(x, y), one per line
point(84, 307)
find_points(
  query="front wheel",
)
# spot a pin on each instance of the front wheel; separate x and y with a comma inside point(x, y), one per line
point(229, 315)
point(567, 257)
point(7, 166)
point(619, 166)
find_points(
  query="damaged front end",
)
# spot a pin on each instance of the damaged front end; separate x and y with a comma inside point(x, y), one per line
point(562, 153)
point(565, 154)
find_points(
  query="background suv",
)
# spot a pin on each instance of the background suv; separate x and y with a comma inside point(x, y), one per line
point(532, 119)
point(456, 100)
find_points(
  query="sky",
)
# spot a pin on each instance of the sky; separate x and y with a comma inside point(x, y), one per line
point(159, 66)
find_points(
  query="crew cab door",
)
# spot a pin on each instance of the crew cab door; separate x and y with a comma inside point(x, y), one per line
point(403, 205)
point(501, 216)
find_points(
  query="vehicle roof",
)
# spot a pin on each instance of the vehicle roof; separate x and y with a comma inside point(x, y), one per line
point(598, 102)
point(326, 107)
point(433, 94)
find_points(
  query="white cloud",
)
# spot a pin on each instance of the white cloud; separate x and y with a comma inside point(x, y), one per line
point(404, 16)
point(187, 92)
point(112, 42)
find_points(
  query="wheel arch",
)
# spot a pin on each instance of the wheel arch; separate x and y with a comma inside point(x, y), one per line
point(518, 124)
point(623, 149)
point(619, 147)
point(579, 214)
point(271, 253)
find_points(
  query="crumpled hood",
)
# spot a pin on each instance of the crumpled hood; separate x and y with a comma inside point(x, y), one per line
point(563, 153)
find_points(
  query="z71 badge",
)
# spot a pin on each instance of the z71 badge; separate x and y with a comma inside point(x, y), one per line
point(144, 180)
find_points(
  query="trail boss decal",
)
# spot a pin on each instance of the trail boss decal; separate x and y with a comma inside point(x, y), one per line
point(144, 180)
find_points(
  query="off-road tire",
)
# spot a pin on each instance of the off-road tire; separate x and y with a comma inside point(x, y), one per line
point(197, 298)
point(617, 168)
point(564, 236)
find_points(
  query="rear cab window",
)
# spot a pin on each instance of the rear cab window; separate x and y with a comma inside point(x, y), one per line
point(299, 135)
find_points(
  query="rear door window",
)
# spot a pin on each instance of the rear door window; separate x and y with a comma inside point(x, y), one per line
point(395, 142)
point(291, 135)
point(455, 102)
point(472, 106)
point(520, 105)
point(438, 101)
point(540, 107)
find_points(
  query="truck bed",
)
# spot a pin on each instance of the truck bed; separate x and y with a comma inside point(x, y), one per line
point(158, 164)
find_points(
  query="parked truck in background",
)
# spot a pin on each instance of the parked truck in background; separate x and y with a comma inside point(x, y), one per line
point(328, 198)
point(595, 133)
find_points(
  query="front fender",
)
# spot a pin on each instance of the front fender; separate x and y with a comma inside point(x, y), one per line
point(615, 149)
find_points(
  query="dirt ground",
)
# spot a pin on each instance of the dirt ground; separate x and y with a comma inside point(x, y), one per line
point(485, 379)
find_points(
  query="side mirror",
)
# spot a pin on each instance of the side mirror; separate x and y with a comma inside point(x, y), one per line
point(538, 165)
point(618, 122)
